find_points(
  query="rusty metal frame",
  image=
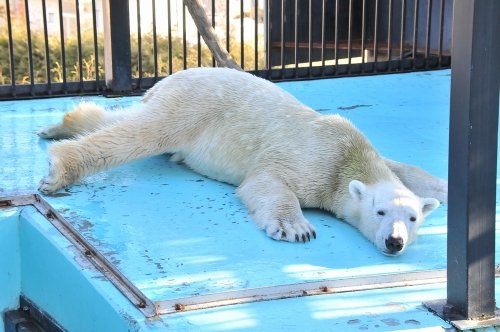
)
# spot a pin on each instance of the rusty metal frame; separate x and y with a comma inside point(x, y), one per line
point(152, 309)
point(131, 292)
point(279, 292)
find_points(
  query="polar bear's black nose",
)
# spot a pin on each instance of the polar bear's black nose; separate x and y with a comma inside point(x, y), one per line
point(394, 244)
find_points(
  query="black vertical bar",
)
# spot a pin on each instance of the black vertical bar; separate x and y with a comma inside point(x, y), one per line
point(473, 158)
point(119, 26)
point(389, 35)
point(242, 35)
point(228, 32)
point(256, 36)
point(309, 46)
point(349, 36)
point(415, 32)
point(363, 34)
point(282, 37)
point(139, 43)
point(198, 49)
point(63, 47)
point(184, 42)
point(169, 32)
point(267, 32)
point(213, 26)
point(402, 36)
point(30, 46)
point(155, 41)
point(96, 45)
point(11, 50)
point(47, 49)
point(296, 36)
point(336, 35)
point(323, 10)
point(375, 36)
point(441, 29)
point(428, 33)
point(79, 42)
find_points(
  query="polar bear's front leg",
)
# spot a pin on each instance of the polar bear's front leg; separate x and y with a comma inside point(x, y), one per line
point(83, 119)
point(275, 208)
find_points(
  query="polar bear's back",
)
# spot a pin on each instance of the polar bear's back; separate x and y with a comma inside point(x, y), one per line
point(221, 90)
point(230, 119)
point(228, 122)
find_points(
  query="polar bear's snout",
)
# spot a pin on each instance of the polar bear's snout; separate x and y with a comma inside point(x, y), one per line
point(393, 236)
point(394, 244)
point(398, 238)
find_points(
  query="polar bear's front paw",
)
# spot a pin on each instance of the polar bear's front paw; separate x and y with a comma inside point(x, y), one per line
point(299, 230)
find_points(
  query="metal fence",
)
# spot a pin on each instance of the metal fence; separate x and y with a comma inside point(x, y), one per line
point(65, 47)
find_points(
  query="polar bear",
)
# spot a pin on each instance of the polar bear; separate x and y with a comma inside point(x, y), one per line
point(283, 156)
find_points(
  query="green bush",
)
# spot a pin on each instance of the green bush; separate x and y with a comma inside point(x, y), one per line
point(38, 50)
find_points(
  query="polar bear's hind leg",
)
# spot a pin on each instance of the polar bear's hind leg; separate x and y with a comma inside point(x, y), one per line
point(71, 160)
point(83, 119)
point(419, 181)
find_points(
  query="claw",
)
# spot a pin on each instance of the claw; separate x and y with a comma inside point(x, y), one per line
point(303, 238)
point(283, 235)
point(297, 239)
point(314, 234)
point(308, 236)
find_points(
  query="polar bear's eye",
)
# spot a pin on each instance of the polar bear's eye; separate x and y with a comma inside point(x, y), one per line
point(381, 213)
point(413, 219)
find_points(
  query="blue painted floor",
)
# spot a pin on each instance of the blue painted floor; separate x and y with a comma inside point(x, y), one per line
point(174, 233)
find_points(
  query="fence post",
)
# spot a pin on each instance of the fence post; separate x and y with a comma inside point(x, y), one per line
point(473, 162)
point(473, 158)
point(117, 51)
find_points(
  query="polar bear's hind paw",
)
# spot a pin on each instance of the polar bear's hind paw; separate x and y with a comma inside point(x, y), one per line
point(56, 179)
point(48, 185)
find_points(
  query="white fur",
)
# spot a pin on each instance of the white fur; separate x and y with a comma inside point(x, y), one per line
point(240, 129)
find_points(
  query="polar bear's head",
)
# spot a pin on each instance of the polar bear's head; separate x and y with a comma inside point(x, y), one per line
point(389, 214)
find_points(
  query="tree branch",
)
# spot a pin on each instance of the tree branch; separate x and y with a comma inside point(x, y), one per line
point(207, 32)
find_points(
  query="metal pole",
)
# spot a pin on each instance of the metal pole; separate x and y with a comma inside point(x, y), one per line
point(473, 158)
point(117, 51)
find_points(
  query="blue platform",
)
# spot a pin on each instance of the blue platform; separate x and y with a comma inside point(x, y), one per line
point(175, 234)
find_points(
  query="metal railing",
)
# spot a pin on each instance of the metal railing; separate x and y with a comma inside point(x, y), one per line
point(66, 47)
point(61, 52)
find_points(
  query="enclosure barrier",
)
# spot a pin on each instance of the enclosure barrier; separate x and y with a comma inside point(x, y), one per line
point(472, 171)
point(295, 40)
point(55, 47)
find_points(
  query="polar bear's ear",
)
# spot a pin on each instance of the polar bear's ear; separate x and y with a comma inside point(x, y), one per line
point(429, 205)
point(357, 189)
